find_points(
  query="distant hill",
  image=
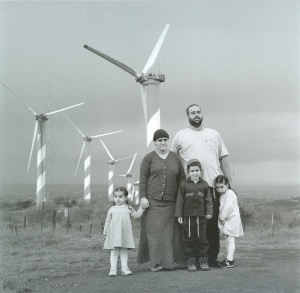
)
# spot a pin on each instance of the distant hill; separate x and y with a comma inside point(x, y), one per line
point(74, 190)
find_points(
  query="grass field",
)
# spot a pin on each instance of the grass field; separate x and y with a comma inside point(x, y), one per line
point(32, 248)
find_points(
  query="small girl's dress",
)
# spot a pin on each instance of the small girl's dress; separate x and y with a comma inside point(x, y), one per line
point(118, 227)
point(229, 213)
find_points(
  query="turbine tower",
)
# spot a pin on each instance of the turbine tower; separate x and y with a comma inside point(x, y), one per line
point(136, 193)
point(86, 149)
point(149, 85)
point(130, 181)
point(111, 163)
point(39, 135)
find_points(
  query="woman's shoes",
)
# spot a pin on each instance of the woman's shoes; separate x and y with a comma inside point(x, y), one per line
point(156, 268)
point(126, 271)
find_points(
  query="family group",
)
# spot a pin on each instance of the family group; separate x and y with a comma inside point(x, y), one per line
point(187, 202)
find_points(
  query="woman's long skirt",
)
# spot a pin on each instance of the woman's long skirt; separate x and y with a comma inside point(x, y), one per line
point(161, 236)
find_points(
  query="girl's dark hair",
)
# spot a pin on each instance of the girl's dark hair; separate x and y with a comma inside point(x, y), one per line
point(125, 192)
point(222, 179)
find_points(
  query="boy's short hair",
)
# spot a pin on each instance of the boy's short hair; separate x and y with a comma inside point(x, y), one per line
point(193, 162)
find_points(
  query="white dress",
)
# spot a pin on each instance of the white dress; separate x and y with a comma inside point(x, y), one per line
point(118, 227)
point(230, 214)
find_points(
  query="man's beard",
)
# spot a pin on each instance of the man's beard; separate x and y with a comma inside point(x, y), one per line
point(194, 123)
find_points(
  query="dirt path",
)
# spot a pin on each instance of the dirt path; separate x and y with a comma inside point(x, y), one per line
point(268, 270)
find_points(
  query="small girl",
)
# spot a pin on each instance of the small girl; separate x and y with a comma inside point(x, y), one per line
point(229, 218)
point(118, 231)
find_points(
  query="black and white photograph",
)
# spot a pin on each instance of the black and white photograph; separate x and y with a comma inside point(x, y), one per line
point(150, 146)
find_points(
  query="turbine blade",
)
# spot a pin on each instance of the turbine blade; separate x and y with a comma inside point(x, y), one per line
point(32, 145)
point(80, 157)
point(123, 175)
point(114, 61)
point(156, 49)
point(131, 163)
point(78, 130)
point(106, 134)
point(144, 100)
point(123, 158)
point(29, 108)
point(60, 110)
point(109, 154)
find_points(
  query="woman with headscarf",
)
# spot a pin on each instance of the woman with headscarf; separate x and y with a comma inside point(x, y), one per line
point(161, 172)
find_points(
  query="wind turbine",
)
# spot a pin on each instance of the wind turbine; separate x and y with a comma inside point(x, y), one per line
point(130, 181)
point(39, 135)
point(149, 85)
point(111, 163)
point(86, 149)
point(136, 193)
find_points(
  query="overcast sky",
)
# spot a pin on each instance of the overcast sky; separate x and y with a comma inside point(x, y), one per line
point(239, 60)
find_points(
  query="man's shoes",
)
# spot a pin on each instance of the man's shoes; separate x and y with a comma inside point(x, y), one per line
point(126, 271)
point(191, 262)
point(203, 264)
point(156, 268)
point(213, 263)
point(112, 272)
point(226, 263)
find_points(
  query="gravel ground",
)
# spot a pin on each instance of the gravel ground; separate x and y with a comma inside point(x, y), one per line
point(264, 270)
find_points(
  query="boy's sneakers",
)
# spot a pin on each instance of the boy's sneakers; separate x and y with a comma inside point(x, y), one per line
point(126, 271)
point(191, 262)
point(226, 263)
point(203, 264)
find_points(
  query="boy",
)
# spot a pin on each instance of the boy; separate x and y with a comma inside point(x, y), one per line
point(193, 208)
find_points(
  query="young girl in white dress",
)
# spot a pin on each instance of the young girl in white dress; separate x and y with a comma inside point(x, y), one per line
point(118, 231)
point(229, 223)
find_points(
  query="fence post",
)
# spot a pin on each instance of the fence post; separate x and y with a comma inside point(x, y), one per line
point(54, 220)
point(91, 228)
point(43, 215)
point(25, 220)
point(272, 224)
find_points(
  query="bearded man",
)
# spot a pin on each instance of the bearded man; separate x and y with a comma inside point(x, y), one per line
point(205, 144)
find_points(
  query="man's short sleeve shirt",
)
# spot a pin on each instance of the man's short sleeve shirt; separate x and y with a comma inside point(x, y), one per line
point(204, 144)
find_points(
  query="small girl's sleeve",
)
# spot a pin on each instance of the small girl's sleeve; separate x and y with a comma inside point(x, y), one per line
point(136, 214)
point(107, 222)
point(226, 209)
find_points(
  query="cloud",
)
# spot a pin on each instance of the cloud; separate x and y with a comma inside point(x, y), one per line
point(273, 172)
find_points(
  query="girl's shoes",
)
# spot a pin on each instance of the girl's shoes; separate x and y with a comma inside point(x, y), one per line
point(226, 263)
point(112, 272)
point(126, 271)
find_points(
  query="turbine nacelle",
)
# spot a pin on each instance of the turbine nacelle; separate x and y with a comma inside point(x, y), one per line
point(87, 139)
point(146, 76)
point(41, 118)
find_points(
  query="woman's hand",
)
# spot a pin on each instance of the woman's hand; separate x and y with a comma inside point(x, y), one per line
point(180, 221)
point(208, 217)
point(144, 203)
